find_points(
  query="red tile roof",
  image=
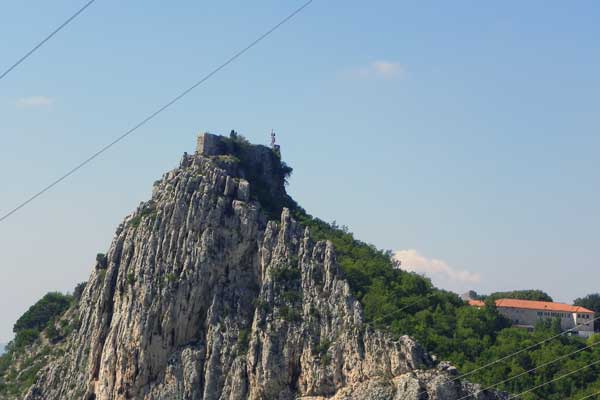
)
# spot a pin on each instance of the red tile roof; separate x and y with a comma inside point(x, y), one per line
point(541, 306)
point(534, 305)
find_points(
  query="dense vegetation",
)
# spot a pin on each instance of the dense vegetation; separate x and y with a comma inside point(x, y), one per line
point(41, 317)
point(537, 365)
point(537, 295)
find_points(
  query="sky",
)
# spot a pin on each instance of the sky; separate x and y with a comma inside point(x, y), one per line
point(463, 136)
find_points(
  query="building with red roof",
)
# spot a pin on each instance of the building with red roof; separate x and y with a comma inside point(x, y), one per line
point(527, 313)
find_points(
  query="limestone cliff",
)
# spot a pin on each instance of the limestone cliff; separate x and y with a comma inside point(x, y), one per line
point(202, 296)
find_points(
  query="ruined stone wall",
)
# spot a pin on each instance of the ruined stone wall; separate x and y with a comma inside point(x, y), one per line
point(209, 145)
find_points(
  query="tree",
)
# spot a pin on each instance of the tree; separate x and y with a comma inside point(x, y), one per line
point(42, 312)
point(78, 291)
point(475, 296)
point(531, 294)
point(592, 302)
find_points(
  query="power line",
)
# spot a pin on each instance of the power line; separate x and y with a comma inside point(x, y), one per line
point(155, 113)
point(40, 44)
point(589, 396)
point(399, 310)
point(529, 371)
point(509, 356)
point(553, 380)
point(525, 349)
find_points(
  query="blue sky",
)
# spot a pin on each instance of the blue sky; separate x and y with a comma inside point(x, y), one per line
point(463, 135)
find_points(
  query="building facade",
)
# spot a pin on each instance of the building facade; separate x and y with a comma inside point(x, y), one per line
point(527, 313)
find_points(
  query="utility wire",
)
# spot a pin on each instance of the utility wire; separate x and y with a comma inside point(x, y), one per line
point(509, 356)
point(553, 380)
point(155, 113)
point(525, 349)
point(528, 372)
point(399, 310)
point(40, 44)
point(589, 396)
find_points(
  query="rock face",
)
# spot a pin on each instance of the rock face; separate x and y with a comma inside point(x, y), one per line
point(202, 297)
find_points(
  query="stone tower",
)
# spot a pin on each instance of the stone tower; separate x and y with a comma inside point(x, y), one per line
point(208, 144)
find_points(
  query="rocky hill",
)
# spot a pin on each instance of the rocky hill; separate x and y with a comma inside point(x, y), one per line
point(204, 295)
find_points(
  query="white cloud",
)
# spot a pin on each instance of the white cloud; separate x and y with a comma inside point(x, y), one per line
point(386, 69)
point(35, 102)
point(380, 69)
point(438, 270)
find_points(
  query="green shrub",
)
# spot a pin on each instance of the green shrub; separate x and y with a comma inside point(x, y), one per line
point(78, 291)
point(52, 333)
point(243, 341)
point(101, 260)
point(148, 211)
point(285, 274)
point(262, 305)
point(228, 159)
point(532, 294)
point(72, 326)
point(25, 337)
point(135, 221)
point(313, 311)
point(41, 313)
point(292, 296)
point(322, 347)
point(6, 361)
point(325, 359)
point(289, 314)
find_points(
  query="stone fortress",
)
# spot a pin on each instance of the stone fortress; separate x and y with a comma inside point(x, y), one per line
point(208, 144)
point(252, 163)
